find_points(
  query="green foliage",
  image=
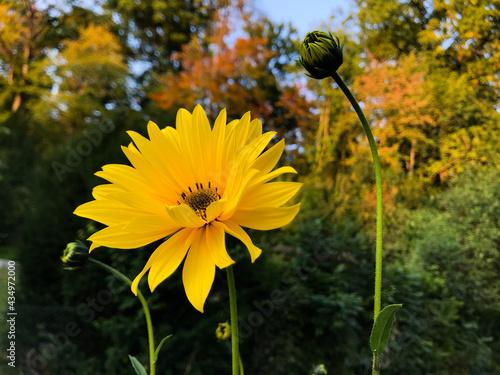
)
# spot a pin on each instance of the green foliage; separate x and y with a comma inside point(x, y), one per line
point(68, 95)
point(138, 367)
point(151, 31)
point(382, 328)
point(454, 246)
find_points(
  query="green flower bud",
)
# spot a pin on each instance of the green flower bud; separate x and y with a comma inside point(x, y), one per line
point(321, 54)
point(223, 331)
point(320, 370)
point(75, 255)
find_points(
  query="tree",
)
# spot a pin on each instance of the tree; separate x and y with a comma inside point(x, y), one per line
point(246, 76)
point(151, 31)
point(398, 101)
point(89, 82)
point(22, 45)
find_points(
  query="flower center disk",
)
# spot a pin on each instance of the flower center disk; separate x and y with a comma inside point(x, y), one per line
point(200, 200)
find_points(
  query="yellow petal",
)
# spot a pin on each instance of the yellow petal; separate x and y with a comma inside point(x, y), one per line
point(107, 212)
point(236, 231)
point(125, 177)
point(255, 129)
point(152, 224)
point(166, 257)
point(235, 176)
point(141, 202)
point(235, 131)
point(144, 147)
point(184, 124)
point(159, 156)
point(162, 184)
point(261, 179)
point(266, 162)
point(185, 216)
point(183, 119)
point(265, 218)
point(198, 273)
point(273, 194)
point(241, 131)
point(235, 192)
point(216, 245)
point(166, 145)
point(215, 209)
point(199, 139)
point(258, 144)
point(218, 136)
point(172, 253)
point(103, 191)
point(115, 236)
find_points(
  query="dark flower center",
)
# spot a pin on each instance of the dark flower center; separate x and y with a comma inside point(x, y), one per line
point(200, 200)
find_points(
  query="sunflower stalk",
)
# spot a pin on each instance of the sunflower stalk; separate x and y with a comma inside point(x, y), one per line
point(321, 54)
point(378, 186)
point(145, 307)
point(234, 322)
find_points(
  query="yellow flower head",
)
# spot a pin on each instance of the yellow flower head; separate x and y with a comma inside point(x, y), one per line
point(193, 183)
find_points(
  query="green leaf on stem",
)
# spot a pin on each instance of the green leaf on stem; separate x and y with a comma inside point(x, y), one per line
point(138, 367)
point(382, 328)
point(160, 345)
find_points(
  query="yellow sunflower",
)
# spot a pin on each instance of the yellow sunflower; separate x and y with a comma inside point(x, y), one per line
point(193, 183)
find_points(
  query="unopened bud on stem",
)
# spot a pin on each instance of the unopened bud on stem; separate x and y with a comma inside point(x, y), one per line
point(75, 255)
point(321, 54)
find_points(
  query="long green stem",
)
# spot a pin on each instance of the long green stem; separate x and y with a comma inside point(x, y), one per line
point(234, 320)
point(378, 183)
point(149, 323)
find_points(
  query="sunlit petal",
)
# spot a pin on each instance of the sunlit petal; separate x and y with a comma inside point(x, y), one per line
point(171, 254)
point(107, 212)
point(166, 258)
point(198, 273)
point(152, 223)
point(185, 216)
point(216, 245)
point(265, 218)
point(115, 236)
point(215, 209)
point(274, 194)
point(236, 231)
point(267, 161)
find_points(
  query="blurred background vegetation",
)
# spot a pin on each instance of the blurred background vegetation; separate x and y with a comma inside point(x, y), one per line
point(74, 76)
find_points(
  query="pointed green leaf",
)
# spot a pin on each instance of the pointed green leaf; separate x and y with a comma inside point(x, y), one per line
point(160, 345)
point(138, 367)
point(382, 328)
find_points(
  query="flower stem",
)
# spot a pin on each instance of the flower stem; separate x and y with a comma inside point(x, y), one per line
point(149, 323)
point(378, 183)
point(234, 320)
point(375, 365)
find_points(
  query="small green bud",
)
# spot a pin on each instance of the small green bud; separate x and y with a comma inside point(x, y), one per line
point(223, 331)
point(320, 370)
point(321, 54)
point(75, 255)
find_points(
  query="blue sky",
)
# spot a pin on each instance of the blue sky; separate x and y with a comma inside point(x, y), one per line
point(305, 15)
